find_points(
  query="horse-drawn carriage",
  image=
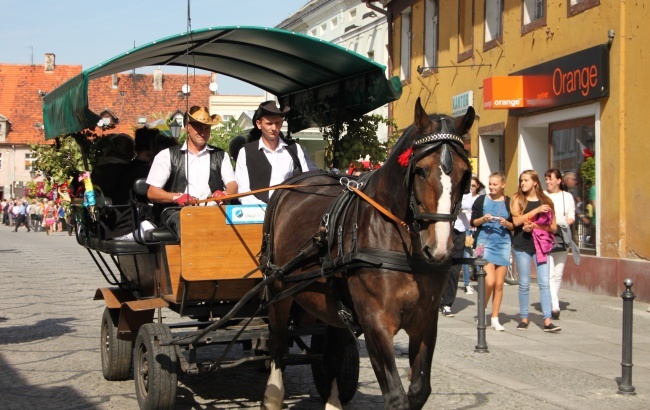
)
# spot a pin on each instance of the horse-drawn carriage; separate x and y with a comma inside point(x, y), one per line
point(339, 255)
point(211, 273)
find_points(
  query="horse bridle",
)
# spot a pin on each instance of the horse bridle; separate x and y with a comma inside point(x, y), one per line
point(426, 145)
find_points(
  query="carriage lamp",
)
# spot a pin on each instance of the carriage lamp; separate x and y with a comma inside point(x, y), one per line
point(175, 128)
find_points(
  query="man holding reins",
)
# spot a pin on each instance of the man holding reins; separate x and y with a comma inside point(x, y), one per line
point(267, 159)
point(184, 174)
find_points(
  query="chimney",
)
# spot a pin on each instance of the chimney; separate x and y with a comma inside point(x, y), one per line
point(114, 81)
point(157, 79)
point(49, 62)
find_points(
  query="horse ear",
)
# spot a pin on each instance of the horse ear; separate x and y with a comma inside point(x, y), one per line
point(422, 121)
point(464, 124)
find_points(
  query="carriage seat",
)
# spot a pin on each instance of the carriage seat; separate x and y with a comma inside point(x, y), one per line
point(160, 234)
point(116, 247)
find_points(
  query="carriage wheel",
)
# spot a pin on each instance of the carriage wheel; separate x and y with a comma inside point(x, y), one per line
point(155, 368)
point(348, 378)
point(512, 274)
point(116, 353)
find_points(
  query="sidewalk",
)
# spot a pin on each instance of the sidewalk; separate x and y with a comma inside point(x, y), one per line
point(575, 368)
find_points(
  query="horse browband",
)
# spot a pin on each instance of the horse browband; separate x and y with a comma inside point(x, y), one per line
point(437, 137)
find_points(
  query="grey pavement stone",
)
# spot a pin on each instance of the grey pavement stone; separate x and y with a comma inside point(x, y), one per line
point(49, 349)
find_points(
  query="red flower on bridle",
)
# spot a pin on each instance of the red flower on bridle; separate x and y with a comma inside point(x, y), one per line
point(405, 157)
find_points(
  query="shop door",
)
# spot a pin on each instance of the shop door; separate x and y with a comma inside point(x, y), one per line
point(491, 156)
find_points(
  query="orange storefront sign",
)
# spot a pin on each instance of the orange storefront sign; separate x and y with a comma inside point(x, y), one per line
point(503, 92)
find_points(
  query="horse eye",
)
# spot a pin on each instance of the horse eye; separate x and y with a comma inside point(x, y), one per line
point(421, 172)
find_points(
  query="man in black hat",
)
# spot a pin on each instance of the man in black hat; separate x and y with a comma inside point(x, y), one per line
point(208, 172)
point(267, 159)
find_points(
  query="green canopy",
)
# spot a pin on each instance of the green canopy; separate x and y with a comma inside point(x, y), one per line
point(320, 81)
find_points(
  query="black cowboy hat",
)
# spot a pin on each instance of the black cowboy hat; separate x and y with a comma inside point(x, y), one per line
point(269, 108)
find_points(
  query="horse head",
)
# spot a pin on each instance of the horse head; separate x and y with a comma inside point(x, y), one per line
point(437, 175)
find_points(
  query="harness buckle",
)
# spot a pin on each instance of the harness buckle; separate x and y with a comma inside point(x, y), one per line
point(350, 183)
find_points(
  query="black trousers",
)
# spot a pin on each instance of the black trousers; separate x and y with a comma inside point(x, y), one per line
point(449, 296)
point(21, 220)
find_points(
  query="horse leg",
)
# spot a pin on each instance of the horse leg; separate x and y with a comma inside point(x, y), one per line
point(335, 363)
point(379, 342)
point(422, 343)
point(278, 317)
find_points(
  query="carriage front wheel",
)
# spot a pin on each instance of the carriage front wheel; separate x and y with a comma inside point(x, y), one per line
point(116, 354)
point(155, 368)
point(347, 378)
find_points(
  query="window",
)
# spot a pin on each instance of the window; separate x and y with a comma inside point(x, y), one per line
point(578, 6)
point(28, 161)
point(227, 118)
point(431, 33)
point(405, 45)
point(493, 23)
point(465, 29)
point(533, 15)
point(572, 145)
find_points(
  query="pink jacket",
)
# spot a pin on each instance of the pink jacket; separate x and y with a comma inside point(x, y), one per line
point(544, 240)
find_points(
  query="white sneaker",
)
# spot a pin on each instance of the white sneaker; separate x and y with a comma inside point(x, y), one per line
point(469, 290)
point(446, 311)
point(496, 325)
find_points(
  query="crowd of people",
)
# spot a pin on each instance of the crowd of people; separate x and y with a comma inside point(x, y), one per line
point(35, 215)
point(534, 226)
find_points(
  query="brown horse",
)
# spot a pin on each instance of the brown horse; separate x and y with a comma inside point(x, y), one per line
point(400, 282)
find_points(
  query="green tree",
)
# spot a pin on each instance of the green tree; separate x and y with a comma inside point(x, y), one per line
point(357, 139)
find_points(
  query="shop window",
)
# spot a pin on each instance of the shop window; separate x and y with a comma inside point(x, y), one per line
point(533, 15)
point(573, 152)
point(405, 45)
point(431, 33)
point(578, 6)
point(465, 29)
point(493, 23)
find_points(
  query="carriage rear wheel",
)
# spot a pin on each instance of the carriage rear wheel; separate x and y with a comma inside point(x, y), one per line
point(155, 368)
point(347, 379)
point(116, 354)
point(512, 274)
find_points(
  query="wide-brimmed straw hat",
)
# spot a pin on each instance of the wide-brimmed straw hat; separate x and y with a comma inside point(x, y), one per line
point(202, 116)
point(269, 108)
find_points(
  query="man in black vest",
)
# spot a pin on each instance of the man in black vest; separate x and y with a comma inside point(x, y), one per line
point(267, 159)
point(184, 174)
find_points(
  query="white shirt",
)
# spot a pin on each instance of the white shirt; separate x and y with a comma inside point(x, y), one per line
point(197, 169)
point(462, 221)
point(281, 168)
point(565, 208)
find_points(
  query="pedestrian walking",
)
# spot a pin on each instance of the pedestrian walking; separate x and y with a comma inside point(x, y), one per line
point(532, 212)
point(564, 206)
point(21, 217)
point(492, 217)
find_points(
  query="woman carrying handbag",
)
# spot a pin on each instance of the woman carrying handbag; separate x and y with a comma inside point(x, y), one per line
point(565, 216)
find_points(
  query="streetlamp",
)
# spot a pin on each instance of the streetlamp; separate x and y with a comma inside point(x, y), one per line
point(32, 173)
point(175, 128)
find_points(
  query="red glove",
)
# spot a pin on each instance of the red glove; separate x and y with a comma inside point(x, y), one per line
point(218, 194)
point(183, 199)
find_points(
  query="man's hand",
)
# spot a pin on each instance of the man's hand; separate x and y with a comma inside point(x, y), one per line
point(218, 194)
point(184, 199)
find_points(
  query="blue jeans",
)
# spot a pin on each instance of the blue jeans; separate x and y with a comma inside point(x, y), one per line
point(467, 253)
point(523, 265)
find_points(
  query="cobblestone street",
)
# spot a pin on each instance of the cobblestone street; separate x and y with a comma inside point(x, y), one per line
point(50, 349)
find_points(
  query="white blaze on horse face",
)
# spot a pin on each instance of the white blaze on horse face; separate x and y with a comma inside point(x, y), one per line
point(274, 393)
point(443, 228)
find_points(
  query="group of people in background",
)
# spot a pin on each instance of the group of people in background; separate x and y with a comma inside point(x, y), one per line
point(533, 226)
point(35, 215)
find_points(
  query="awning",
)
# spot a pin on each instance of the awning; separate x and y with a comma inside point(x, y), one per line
point(317, 79)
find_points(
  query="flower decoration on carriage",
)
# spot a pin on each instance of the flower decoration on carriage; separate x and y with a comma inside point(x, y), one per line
point(405, 157)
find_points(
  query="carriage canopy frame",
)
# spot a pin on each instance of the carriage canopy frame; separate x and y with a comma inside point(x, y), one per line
point(322, 82)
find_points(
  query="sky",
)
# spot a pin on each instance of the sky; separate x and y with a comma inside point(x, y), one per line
point(89, 32)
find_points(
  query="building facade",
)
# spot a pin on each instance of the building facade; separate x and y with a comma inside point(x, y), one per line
point(555, 85)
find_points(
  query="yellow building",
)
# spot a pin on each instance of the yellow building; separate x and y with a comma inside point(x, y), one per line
point(575, 92)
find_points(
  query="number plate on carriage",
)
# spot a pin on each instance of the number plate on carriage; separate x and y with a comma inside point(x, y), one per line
point(245, 214)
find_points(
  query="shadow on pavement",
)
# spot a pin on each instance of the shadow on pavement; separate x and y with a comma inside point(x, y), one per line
point(43, 329)
point(18, 394)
